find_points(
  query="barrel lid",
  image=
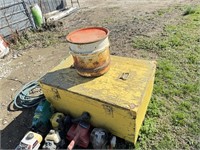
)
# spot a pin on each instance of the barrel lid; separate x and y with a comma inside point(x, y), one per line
point(87, 35)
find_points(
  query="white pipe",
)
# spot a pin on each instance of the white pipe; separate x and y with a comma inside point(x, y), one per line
point(62, 14)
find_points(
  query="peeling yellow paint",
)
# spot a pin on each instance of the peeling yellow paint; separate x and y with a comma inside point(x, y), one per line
point(117, 100)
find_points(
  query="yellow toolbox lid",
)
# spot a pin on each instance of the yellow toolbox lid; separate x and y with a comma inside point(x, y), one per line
point(123, 85)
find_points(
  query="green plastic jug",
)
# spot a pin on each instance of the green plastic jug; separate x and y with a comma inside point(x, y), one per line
point(37, 15)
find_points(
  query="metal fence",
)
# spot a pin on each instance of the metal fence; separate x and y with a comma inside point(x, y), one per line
point(15, 15)
point(49, 5)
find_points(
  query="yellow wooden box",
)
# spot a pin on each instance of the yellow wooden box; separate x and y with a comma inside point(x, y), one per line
point(116, 101)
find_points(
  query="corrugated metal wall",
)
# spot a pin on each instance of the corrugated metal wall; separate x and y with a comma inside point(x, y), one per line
point(14, 13)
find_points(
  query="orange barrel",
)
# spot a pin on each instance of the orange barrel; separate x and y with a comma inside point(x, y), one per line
point(90, 50)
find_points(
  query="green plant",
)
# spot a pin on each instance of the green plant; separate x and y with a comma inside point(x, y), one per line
point(189, 10)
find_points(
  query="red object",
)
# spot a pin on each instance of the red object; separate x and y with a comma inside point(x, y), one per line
point(87, 35)
point(4, 49)
point(78, 135)
point(5, 44)
point(2, 40)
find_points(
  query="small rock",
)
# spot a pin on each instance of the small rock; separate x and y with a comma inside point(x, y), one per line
point(3, 104)
point(19, 54)
point(5, 122)
point(15, 56)
point(8, 113)
point(12, 89)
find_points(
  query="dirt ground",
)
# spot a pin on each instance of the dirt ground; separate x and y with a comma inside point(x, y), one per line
point(125, 19)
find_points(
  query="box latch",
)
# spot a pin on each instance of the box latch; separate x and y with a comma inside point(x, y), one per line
point(124, 76)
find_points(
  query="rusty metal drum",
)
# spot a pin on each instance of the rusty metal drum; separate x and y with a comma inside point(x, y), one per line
point(90, 50)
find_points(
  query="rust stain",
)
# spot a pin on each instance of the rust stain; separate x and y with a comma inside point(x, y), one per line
point(93, 66)
point(132, 114)
point(96, 63)
point(56, 94)
point(108, 109)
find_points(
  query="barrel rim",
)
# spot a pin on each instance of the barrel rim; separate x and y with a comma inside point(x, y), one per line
point(102, 28)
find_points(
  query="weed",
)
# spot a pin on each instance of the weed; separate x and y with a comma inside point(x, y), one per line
point(31, 39)
point(161, 12)
point(189, 10)
point(178, 118)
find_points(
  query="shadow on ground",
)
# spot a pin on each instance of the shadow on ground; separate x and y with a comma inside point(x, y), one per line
point(15, 131)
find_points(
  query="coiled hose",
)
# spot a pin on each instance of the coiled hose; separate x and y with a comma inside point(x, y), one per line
point(25, 98)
